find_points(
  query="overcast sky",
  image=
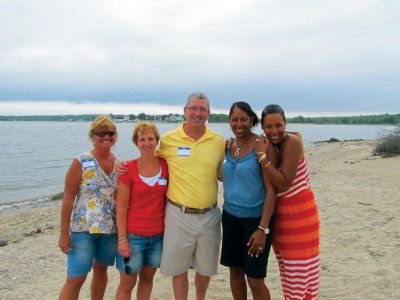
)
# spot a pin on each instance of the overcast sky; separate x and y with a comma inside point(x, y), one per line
point(60, 57)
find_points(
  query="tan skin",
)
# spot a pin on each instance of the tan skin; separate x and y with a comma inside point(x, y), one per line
point(291, 151)
point(148, 166)
point(105, 158)
point(241, 124)
point(194, 125)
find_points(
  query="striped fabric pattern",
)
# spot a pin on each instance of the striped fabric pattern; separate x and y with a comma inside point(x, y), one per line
point(300, 183)
point(296, 239)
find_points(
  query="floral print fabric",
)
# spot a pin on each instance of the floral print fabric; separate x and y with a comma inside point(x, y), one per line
point(94, 207)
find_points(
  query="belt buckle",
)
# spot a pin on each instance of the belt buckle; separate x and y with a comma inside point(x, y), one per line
point(190, 210)
point(197, 211)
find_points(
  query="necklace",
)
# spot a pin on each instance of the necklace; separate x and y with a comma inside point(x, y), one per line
point(237, 151)
point(238, 148)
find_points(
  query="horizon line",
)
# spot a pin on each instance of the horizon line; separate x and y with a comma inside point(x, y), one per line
point(51, 108)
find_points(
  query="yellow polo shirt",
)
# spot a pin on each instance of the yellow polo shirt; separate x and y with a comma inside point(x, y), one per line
point(193, 166)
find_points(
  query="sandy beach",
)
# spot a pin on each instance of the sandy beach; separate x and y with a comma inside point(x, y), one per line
point(358, 200)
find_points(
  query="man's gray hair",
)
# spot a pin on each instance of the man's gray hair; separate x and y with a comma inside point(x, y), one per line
point(200, 96)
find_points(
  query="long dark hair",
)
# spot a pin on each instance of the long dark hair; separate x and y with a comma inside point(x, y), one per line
point(272, 109)
point(247, 109)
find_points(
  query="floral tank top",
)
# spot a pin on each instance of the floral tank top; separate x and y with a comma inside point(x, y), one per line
point(94, 207)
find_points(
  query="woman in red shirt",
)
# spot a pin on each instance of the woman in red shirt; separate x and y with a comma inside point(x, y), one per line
point(140, 215)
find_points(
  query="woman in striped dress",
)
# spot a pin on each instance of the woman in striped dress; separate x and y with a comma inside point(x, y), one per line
point(296, 237)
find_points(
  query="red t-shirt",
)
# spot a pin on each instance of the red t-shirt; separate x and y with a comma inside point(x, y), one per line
point(147, 203)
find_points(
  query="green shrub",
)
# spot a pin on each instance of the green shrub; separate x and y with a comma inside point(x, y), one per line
point(389, 145)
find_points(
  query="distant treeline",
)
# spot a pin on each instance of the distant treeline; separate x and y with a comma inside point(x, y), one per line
point(214, 118)
point(392, 119)
point(389, 119)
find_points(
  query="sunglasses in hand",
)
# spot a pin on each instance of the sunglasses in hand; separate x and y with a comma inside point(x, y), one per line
point(128, 269)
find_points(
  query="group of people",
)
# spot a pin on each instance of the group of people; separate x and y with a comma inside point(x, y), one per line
point(161, 211)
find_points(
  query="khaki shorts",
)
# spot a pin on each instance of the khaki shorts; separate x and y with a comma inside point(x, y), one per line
point(191, 240)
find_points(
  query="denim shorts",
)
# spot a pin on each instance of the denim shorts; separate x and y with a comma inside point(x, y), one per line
point(85, 247)
point(145, 252)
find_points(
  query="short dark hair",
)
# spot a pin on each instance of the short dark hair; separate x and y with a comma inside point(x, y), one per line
point(272, 109)
point(247, 109)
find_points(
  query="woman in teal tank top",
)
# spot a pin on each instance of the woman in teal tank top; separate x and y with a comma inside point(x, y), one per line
point(247, 217)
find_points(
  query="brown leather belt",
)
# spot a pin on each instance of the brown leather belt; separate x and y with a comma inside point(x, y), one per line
point(191, 210)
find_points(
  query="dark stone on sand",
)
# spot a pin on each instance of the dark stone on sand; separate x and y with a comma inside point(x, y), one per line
point(333, 140)
point(3, 243)
point(57, 196)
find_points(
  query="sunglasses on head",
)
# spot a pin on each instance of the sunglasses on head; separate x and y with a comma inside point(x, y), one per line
point(104, 133)
point(128, 269)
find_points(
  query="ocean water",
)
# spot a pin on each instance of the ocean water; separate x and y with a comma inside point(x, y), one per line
point(34, 156)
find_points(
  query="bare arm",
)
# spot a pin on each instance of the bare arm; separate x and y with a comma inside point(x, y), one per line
point(123, 195)
point(291, 153)
point(71, 187)
point(258, 238)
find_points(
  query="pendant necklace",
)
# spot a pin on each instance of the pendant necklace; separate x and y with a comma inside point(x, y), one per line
point(238, 148)
point(237, 151)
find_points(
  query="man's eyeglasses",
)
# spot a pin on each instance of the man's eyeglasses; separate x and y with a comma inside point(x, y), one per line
point(195, 108)
point(128, 269)
point(104, 133)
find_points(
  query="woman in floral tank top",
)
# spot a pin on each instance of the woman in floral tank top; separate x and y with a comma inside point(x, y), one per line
point(88, 229)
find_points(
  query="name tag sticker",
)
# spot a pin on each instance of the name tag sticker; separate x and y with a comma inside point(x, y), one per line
point(162, 181)
point(88, 164)
point(183, 151)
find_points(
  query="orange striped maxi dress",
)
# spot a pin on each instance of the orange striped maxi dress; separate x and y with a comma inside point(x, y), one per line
point(296, 238)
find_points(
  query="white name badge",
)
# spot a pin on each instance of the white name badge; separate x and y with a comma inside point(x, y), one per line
point(162, 181)
point(224, 161)
point(183, 151)
point(88, 164)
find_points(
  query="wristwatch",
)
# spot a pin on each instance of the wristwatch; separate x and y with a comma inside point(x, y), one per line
point(266, 230)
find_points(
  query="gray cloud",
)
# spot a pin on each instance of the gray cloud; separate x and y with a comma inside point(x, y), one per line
point(317, 51)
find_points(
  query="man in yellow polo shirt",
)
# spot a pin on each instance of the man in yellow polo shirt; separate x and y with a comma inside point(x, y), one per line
point(192, 236)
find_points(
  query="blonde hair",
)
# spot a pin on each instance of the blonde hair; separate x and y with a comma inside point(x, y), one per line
point(100, 123)
point(143, 127)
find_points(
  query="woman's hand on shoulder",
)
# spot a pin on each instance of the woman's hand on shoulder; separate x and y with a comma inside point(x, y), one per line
point(121, 167)
point(229, 142)
point(261, 146)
